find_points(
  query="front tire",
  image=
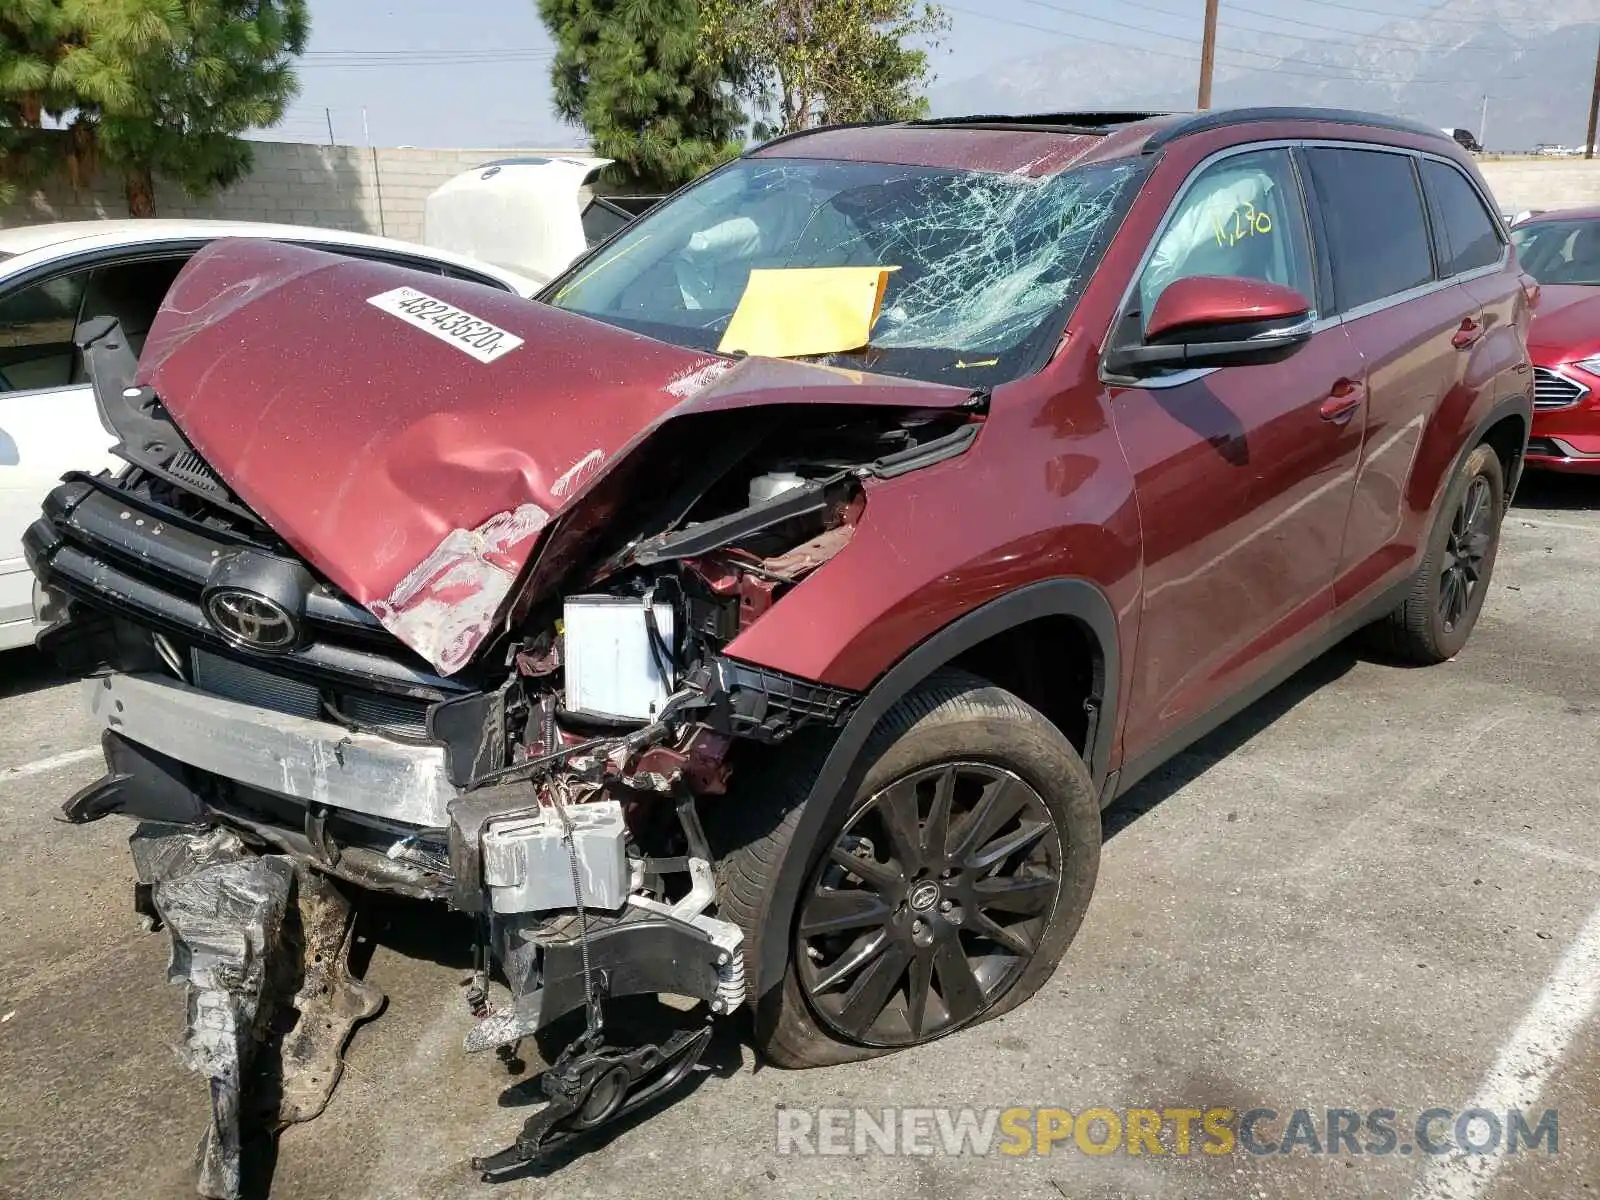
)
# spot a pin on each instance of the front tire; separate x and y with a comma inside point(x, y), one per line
point(1447, 592)
point(943, 893)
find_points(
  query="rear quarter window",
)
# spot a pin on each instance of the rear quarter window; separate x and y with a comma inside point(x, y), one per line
point(1466, 234)
point(1372, 214)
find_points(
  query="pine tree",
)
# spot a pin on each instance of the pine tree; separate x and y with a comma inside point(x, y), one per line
point(631, 73)
point(33, 37)
point(144, 87)
point(165, 87)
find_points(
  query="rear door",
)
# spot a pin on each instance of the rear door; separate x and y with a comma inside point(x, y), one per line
point(1411, 321)
point(1473, 249)
point(1243, 474)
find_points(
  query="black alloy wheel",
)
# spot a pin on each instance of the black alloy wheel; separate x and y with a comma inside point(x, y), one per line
point(1471, 534)
point(929, 904)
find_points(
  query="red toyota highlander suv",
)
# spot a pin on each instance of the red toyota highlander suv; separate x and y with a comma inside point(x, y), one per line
point(767, 615)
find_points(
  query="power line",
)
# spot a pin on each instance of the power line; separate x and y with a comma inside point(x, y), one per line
point(1429, 14)
point(424, 62)
point(1365, 37)
point(404, 52)
point(1188, 39)
point(1277, 33)
point(1362, 77)
point(1357, 35)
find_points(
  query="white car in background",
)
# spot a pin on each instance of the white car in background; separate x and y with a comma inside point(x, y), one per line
point(535, 214)
point(52, 278)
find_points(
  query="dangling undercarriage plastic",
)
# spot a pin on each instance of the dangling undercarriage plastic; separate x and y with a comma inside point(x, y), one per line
point(556, 790)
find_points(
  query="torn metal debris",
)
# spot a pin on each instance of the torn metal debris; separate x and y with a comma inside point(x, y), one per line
point(224, 908)
point(448, 603)
point(262, 946)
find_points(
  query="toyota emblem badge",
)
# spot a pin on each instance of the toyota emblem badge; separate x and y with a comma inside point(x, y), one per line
point(251, 621)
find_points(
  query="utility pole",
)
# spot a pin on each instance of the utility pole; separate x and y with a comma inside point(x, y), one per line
point(1208, 55)
point(1594, 109)
point(1483, 123)
point(377, 175)
point(328, 112)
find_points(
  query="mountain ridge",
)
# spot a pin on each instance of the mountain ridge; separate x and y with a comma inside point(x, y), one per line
point(1534, 59)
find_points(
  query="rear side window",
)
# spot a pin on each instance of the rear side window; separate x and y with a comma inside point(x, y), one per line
point(1372, 211)
point(1463, 228)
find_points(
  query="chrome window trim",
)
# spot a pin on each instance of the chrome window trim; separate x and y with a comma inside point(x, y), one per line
point(1156, 383)
point(47, 390)
point(1405, 297)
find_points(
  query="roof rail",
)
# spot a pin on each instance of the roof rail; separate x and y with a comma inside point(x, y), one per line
point(1221, 118)
point(800, 133)
point(1094, 123)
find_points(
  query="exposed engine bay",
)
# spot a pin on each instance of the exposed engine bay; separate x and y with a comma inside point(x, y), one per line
point(556, 784)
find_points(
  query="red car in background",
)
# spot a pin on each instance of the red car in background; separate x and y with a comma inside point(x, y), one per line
point(1562, 251)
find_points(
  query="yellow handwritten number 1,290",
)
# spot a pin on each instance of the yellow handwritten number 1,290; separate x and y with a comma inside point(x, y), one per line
point(1243, 222)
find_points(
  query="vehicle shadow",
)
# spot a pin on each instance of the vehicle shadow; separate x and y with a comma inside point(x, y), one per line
point(1548, 490)
point(1187, 766)
point(26, 670)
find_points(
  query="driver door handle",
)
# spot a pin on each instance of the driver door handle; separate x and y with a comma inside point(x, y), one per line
point(1342, 401)
point(1470, 331)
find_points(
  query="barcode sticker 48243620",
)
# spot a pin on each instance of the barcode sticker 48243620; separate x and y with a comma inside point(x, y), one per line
point(467, 333)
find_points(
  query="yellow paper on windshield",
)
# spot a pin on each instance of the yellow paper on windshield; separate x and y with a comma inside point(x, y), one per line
point(794, 311)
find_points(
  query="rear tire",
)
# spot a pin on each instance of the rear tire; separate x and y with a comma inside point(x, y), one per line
point(1447, 592)
point(909, 925)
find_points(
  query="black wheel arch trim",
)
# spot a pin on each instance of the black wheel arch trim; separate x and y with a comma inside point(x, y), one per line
point(1512, 406)
point(1078, 599)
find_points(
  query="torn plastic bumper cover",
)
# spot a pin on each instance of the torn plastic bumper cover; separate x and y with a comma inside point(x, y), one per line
point(254, 938)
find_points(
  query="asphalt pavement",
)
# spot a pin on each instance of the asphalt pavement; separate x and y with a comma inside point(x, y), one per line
point(1378, 889)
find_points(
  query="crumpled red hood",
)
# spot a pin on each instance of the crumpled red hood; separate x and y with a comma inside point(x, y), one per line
point(415, 476)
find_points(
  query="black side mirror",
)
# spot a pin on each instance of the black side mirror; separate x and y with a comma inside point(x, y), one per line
point(1216, 321)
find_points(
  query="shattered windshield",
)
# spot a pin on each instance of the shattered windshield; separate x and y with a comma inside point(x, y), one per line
point(982, 266)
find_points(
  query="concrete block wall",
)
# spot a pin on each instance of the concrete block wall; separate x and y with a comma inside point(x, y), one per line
point(340, 187)
point(383, 190)
point(1520, 183)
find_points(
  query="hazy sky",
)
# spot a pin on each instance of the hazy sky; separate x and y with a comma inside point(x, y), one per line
point(474, 72)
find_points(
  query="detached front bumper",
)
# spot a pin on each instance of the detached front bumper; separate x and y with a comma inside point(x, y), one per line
point(315, 761)
point(383, 814)
point(366, 808)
